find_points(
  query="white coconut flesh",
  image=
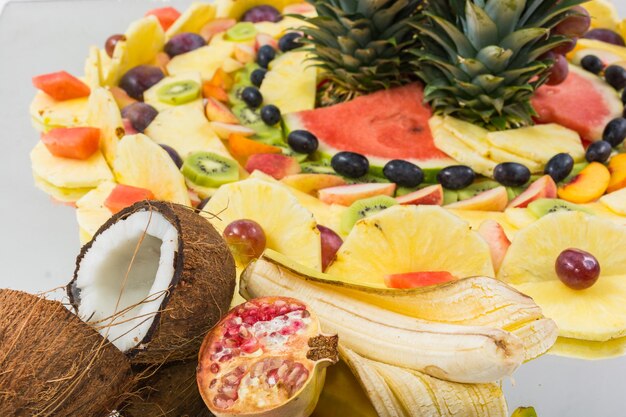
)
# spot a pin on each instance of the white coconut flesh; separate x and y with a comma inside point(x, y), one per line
point(124, 276)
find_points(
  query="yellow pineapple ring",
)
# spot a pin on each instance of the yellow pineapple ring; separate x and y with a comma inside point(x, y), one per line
point(597, 313)
point(405, 239)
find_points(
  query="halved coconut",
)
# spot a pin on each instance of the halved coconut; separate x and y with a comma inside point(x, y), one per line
point(53, 364)
point(154, 280)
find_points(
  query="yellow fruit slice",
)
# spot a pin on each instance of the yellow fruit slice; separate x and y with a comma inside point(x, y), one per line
point(142, 163)
point(186, 129)
point(500, 155)
point(291, 83)
point(62, 195)
point(405, 239)
point(539, 143)
point(519, 217)
point(603, 14)
point(69, 173)
point(144, 39)
point(236, 8)
point(193, 19)
point(476, 217)
point(584, 349)
point(205, 60)
point(150, 96)
point(93, 68)
point(48, 113)
point(91, 212)
point(616, 201)
point(470, 134)
point(276, 30)
point(103, 113)
point(290, 229)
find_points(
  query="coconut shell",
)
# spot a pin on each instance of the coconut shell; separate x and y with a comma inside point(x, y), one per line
point(200, 292)
point(53, 364)
point(169, 391)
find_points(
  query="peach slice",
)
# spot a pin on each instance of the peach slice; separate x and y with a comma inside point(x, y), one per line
point(312, 183)
point(218, 112)
point(244, 53)
point(345, 195)
point(617, 168)
point(273, 164)
point(429, 196)
point(544, 187)
point(491, 200)
point(499, 243)
point(589, 185)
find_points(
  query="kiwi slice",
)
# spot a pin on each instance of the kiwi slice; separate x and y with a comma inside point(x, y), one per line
point(364, 208)
point(450, 196)
point(241, 32)
point(317, 168)
point(207, 169)
point(252, 118)
point(178, 92)
point(545, 206)
point(477, 188)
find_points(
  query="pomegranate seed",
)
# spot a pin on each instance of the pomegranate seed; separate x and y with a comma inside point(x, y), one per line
point(250, 346)
point(226, 358)
point(232, 343)
point(213, 383)
point(215, 368)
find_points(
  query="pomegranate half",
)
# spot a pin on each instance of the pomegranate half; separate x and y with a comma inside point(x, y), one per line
point(265, 358)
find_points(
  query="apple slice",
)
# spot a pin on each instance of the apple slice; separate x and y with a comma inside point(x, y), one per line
point(429, 196)
point(244, 53)
point(263, 39)
point(499, 243)
point(312, 183)
point(345, 195)
point(544, 187)
point(418, 279)
point(218, 112)
point(491, 200)
point(224, 130)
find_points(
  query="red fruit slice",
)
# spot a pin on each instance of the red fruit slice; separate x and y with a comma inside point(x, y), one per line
point(491, 200)
point(216, 26)
point(61, 86)
point(275, 165)
point(166, 16)
point(345, 195)
point(73, 142)
point(429, 196)
point(583, 102)
point(544, 187)
point(418, 279)
point(124, 196)
point(389, 124)
point(331, 242)
point(499, 243)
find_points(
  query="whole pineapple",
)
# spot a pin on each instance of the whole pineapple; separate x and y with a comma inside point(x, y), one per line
point(482, 60)
point(363, 45)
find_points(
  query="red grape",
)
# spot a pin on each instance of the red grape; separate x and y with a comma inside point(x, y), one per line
point(331, 242)
point(246, 240)
point(559, 71)
point(140, 115)
point(109, 45)
point(577, 269)
point(575, 26)
point(139, 79)
point(566, 47)
point(263, 13)
point(606, 35)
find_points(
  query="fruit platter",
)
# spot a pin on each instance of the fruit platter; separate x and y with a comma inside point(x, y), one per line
point(326, 208)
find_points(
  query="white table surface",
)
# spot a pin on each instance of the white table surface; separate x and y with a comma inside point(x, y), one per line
point(39, 240)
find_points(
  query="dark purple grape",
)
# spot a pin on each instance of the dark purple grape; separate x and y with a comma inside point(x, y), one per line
point(511, 174)
point(174, 155)
point(615, 132)
point(559, 166)
point(403, 173)
point(350, 164)
point(303, 141)
point(559, 71)
point(577, 269)
point(606, 35)
point(183, 43)
point(139, 79)
point(252, 97)
point(456, 177)
point(576, 25)
point(270, 114)
point(109, 45)
point(290, 41)
point(615, 76)
point(140, 115)
point(257, 76)
point(599, 151)
point(264, 13)
point(593, 64)
point(265, 55)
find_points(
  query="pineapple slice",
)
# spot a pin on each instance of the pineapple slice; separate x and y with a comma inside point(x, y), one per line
point(603, 14)
point(103, 113)
point(47, 113)
point(597, 313)
point(91, 212)
point(151, 97)
point(142, 163)
point(476, 217)
point(61, 195)
point(539, 143)
point(291, 83)
point(193, 19)
point(290, 228)
point(93, 68)
point(186, 129)
point(404, 239)
point(205, 60)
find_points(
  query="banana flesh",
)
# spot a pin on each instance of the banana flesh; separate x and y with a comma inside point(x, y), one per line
point(404, 393)
point(460, 353)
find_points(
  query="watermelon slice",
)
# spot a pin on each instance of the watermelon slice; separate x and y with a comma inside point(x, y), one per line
point(583, 103)
point(386, 125)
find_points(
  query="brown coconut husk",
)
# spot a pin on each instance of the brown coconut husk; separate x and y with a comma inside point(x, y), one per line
point(53, 364)
point(168, 391)
point(200, 292)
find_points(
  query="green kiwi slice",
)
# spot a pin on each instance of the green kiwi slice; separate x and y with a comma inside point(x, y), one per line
point(241, 32)
point(252, 118)
point(207, 169)
point(317, 168)
point(477, 188)
point(364, 208)
point(545, 206)
point(178, 92)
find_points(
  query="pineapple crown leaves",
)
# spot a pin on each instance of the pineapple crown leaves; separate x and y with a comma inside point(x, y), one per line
point(482, 60)
point(362, 44)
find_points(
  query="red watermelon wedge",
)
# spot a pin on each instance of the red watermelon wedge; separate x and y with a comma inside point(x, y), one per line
point(583, 103)
point(386, 125)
